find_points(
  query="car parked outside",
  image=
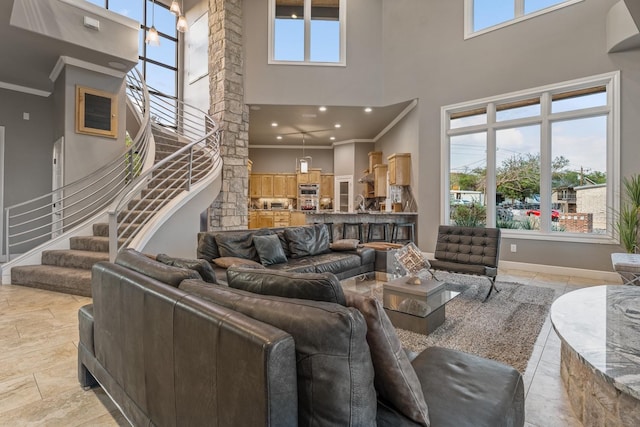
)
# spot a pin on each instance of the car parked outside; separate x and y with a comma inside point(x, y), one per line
point(555, 215)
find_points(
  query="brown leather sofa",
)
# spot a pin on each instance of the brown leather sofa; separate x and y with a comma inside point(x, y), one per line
point(306, 249)
point(173, 350)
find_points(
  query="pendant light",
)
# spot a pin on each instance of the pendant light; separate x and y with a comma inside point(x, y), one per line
point(182, 25)
point(152, 34)
point(304, 163)
point(175, 8)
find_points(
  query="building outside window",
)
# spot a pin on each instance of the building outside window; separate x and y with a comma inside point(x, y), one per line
point(482, 16)
point(541, 162)
point(307, 32)
point(158, 64)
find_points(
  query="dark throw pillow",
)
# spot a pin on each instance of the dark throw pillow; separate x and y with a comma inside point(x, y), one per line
point(136, 261)
point(395, 379)
point(269, 249)
point(345, 245)
point(200, 265)
point(308, 240)
point(239, 243)
point(309, 286)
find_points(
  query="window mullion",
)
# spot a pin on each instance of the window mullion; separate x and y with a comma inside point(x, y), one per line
point(546, 159)
point(519, 8)
point(490, 190)
point(307, 30)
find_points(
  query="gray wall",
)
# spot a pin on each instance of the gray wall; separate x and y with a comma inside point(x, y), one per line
point(424, 56)
point(269, 160)
point(28, 145)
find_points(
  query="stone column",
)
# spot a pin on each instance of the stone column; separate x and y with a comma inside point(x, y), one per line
point(230, 209)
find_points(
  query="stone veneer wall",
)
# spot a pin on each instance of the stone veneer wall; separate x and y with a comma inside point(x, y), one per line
point(230, 209)
point(595, 401)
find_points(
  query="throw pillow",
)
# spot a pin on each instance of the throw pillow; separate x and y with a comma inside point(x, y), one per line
point(395, 379)
point(345, 245)
point(333, 362)
point(228, 261)
point(134, 260)
point(239, 243)
point(309, 286)
point(200, 265)
point(307, 240)
point(269, 249)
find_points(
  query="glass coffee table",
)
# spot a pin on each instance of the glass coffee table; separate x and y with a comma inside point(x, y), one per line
point(417, 308)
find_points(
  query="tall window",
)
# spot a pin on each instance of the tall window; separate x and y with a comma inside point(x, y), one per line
point(307, 32)
point(537, 162)
point(485, 15)
point(158, 64)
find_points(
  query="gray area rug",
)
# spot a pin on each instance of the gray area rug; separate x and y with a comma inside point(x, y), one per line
point(504, 328)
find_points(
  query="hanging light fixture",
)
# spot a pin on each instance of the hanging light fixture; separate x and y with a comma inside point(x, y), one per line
point(304, 162)
point(182, 25)
point(153, 38)
point(175, 8)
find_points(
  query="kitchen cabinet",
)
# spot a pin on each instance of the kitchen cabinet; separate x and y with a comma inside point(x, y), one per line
point(279, 186)
point(400, 169)
point(375, 158)
point(264, 219)
point(255, 185)
point(281, 219)
point(380, 180)
point(253, 219)
point(313, 177)
point(326, 186)
point(267, 185)
point(297, 218)
point(291, 186)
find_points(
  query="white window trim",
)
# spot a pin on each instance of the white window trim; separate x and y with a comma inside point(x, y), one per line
point(611, 80)
point(519, 16)
point(307, 39)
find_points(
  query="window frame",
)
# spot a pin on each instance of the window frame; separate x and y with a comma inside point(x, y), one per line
point(307, 37)
point(545, 120)
point(519, 16)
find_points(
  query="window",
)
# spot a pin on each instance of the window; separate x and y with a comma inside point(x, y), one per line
point(307, 32)
point(541, 163)
point(482, 16)
point(158, 64)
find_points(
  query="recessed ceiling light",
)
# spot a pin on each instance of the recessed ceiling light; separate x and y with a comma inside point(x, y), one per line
point(278, 137)
point(368, 110)
point(294, 16)
point(333, 138)
point(323, 108)
point(274, 124)
point(337, 126)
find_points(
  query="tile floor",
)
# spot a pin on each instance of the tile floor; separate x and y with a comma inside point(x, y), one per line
point(38, 368)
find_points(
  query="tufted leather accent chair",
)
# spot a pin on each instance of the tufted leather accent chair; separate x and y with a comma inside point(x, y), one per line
point(468, 250)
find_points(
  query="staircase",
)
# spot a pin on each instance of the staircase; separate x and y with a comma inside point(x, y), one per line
point(185, 154)
point(69, 270)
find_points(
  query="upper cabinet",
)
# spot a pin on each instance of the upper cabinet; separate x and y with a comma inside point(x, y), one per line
point(279, 186)
point(313, 177)
point(326, 186)
point(267, 185)
point(292, 185)
point(400, 169)
point(255, 185)
point(380, 180)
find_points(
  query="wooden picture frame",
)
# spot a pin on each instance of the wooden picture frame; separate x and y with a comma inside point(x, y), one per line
point(96, 112)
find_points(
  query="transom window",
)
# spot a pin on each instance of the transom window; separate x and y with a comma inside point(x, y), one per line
point(542, 162)
point(307, 32)
point(482, 16)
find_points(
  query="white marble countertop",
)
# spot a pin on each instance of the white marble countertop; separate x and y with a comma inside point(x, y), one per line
point(602, 325)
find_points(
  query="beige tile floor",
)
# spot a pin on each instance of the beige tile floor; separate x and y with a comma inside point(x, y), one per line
point(38, 368)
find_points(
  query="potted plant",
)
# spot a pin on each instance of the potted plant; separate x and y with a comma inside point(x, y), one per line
point(628, 222)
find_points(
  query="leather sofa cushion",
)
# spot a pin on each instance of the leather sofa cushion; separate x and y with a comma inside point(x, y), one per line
point(284, 243)
point(309, 286)
point(239, 244)
point(464, 390)
point(345, 245)
point(454, 267)
point(136, 261)
point(296, 265)
point(395, 379)
point(307, 240)
point(203, 268)
point(331, 348)
point(85, 326)
point(269, 249)
point(335, 262)
point(230, 261)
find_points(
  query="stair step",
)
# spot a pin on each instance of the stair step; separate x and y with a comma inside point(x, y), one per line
point(74, 281)
point(73, 258)
point(137, 217)
point(101, 229)
point(144, 204)
point(90, 243)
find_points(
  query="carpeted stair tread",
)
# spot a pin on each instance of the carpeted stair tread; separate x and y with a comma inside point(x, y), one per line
point(90, 243)
point(73, 258)
point(74, 281)
point(101, 229)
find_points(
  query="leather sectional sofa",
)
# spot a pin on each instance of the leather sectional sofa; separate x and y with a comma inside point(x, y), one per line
point(272, 349)
point(305, 249)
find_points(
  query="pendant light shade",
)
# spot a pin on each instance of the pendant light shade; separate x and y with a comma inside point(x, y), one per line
point(182, 24)
point(153, 38)
point(175, 8)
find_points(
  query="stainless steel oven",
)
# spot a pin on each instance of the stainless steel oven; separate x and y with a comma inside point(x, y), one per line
point(308, 197)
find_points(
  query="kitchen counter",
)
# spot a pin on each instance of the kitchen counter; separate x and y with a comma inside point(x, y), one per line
point(358, 213)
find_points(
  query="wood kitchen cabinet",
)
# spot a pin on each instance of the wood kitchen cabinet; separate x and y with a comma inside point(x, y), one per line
point(291, 186)
point(255, 185)
point(375, 158)
point(297, 218)
point(267, 185)
point(400, 169)
point(326, 186)
point(264, 219)
point(380, 180)
point(313, 177)
point(279, 186)
point(281, 219)
point(253, 219)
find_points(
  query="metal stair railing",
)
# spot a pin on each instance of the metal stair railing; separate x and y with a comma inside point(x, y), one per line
point(36, 221)
point(196, 138)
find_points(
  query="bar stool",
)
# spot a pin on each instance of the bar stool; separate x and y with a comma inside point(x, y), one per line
point(349, 226)
point(410, 230)
point(383, 227)
point(329, 228)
